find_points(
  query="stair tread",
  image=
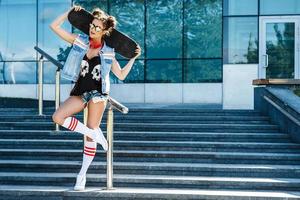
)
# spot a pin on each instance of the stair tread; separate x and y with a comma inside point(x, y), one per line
point(159, 164)
point(153, 177)
point(154, 142)
point(158, 152)
point(153, 192)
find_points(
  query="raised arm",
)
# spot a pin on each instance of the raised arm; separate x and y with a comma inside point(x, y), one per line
point(56, 27)
point(122, 73)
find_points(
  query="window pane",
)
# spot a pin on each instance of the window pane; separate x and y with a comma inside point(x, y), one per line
point(136, 74)
point(271, 7)
point(47, 39)
point(280, 46)
point(240, 7)
point(18, 29)
point(2, 75)
point(49, 74)
point(19, 72)
point(240, 40)
point(164, 71)
point(164, 29)
point(91, 4)
point(130, 17)
point(203, 29)
point(197, 71)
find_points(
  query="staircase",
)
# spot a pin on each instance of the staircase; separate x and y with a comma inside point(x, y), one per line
point(159, 153)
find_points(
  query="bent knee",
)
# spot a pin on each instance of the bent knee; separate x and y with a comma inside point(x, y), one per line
point(57, 118)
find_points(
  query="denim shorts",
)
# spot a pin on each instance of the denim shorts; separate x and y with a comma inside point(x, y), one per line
point(94, 95)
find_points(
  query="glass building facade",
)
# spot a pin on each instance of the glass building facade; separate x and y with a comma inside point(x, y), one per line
point(183, 41)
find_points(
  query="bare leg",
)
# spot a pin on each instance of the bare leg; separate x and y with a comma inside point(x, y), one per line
point(71, 106)
point(95, 113)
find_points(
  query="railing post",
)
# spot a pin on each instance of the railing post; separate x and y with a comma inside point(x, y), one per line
point(85, 116)
point(57, 94)
point(40, 84)
point(109, 133)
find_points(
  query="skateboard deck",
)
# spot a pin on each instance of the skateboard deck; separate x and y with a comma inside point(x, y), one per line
point(123, 44)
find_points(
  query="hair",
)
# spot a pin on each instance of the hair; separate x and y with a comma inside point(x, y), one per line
point(109, 21)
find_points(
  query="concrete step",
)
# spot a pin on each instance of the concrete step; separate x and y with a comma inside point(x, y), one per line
point(156, 120)
point(153, 181)
point(150, 111)
point(155, 168)
point(157, 156)
point(156, 145)
point(152, 119)
point(150, 126)
point(146, 118)
point(31, 192)
point(153, 136)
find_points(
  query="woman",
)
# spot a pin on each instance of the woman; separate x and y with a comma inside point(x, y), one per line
point(93, 60)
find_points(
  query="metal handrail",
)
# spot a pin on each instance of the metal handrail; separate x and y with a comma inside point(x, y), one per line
point(50, 58)
point(110, 117)
point(40, 79)
point(113, 104)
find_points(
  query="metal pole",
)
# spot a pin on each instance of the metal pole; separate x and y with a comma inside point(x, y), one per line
point(109, 132)
point(85, 116)
point(40, 85)
point(57, 94)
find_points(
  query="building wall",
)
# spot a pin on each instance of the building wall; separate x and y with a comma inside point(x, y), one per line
point(130, 93)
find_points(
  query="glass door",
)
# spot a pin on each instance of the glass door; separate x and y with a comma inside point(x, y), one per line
point(279, 47)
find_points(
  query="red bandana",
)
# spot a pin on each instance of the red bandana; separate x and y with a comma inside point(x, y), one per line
point(95, 44)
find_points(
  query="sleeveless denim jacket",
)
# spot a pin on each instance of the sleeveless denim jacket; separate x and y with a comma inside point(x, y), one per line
point(72, 66)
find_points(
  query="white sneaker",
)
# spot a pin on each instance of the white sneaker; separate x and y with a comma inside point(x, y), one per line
point(99, 138)
point(80, 183)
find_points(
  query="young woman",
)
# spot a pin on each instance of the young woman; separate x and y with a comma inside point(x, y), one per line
point(93, 60)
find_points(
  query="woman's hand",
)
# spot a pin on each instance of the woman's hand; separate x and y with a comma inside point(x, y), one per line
point(77, 8)
point(138, 52)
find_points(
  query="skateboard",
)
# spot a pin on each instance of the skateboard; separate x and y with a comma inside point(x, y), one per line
point(122, 43)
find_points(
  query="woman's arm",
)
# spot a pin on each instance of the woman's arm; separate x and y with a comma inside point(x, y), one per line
point(122, 73)
point(56, 27)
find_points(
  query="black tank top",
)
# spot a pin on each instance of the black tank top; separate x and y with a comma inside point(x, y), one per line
point(89, 76)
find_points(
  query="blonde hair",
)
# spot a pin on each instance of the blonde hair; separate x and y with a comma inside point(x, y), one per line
point(108, 21)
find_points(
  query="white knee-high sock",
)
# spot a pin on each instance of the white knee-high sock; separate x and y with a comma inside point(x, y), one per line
point(74, 124)
point(88, 156)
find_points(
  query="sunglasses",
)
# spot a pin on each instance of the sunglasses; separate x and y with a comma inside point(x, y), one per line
point(97, 28)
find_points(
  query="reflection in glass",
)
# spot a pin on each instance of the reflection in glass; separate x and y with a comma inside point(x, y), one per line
point(50, 42)
point(240, 7)
point(136, 75)
point(240, 40)
point(164, 29)
point(272, 7)
point(91, 4)
point(204, 70)
point(164, 71)
point(280, 41)
point(130, 17)
point(203, 29)
point(20, 72)
point(49, 74)
point(18, 29)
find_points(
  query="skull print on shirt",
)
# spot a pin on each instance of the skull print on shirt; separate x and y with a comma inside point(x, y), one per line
point(84, 68)
point(96, 72)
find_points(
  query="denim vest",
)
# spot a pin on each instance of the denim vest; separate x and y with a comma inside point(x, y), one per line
point(72, 65)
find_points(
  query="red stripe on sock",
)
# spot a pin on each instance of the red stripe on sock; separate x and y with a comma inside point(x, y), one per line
point(75, 124)
point(89, 151)
point(89, 148)
point(88, 154)
point(70, 125)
